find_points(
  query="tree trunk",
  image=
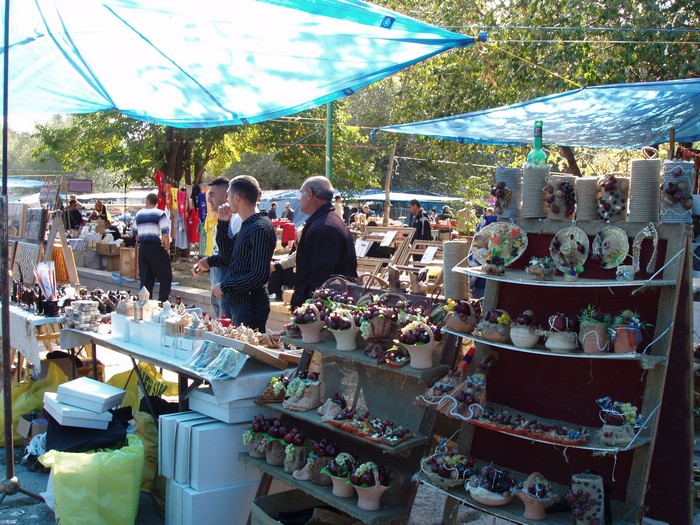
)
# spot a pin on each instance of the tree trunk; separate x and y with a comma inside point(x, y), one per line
point(568, 154)
point(387, 186)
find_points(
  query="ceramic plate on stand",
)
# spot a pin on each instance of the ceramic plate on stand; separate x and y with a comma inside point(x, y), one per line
point(505, 239)
point(610, 247)
point(569, 249)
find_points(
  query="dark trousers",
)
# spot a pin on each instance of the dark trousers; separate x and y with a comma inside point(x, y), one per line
point(251, 312)
point(154, 263)
point(285, 277)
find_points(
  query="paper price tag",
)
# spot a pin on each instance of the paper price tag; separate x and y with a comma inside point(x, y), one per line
point(429, 254)
point(362, 247)
point(388, 238)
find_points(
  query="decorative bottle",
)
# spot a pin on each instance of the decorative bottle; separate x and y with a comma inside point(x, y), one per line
point(537, 156)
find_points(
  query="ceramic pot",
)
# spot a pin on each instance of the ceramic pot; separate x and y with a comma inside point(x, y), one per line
point(421, 355)
point(381, 328)
point(368, 498)
point(593, 337)
point(341, 487)
point(488, 498)
point(255, 447)
point(495, 332)
point(589, 486)
point(524, 336)
point(299, 456)
point(346, 340)
point(626, 338)
point(275, 453)
point(534, 506)
point(311, 333)
point(454, 322)
point(561, 342)
point(541, 274)
point(318, 477)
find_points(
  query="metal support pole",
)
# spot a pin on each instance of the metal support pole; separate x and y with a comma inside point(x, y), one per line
point(329, 141)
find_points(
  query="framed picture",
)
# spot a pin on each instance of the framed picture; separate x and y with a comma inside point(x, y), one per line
point(35, 224)
point(16, 212)
point(26, 258)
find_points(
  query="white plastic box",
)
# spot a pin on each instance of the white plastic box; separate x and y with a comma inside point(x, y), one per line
point(71, 416)
point(239, 411)
point(229, 504)
point(167, 438)
point(119, 329)
point(89, 394)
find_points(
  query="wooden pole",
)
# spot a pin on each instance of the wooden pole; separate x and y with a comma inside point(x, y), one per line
point(672, 144)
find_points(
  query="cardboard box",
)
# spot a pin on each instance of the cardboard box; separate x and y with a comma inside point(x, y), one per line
point(109, 263)
point(105, 248)
point(79, 257)
point(90, 394)
point(230, 504)
point(167, 433)
point(213, 456)
point(30, 425)
point(91, 260)
point(71, 416)
point(240, 411)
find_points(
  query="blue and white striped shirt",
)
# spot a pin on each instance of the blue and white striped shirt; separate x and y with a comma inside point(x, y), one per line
point(150, 224)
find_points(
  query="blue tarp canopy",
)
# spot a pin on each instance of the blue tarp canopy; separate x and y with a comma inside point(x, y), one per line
point(625, 116)
point(206, 63)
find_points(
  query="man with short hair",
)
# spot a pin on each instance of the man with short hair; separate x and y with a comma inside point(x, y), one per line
point(216, 197)
point(326, 247)
point(339, 208)
point(74, 219)
point(419, 221)
point(244, 284)
point(272, 212)
point(152, 229)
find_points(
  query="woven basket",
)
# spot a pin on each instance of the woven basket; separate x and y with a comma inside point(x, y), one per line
point(645, 178)
point(676, 172)
point(436, 479)
point(586, 198)
point(532, 206)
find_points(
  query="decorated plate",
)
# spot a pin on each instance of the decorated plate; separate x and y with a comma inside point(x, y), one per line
point(501, 239)
point(610, 247)
point(569, 250)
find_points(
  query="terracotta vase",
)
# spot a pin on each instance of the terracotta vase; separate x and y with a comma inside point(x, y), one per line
point(590, 487)
point(626, 338)
point(318, 477)
point(368, 498)
point(534, 506)
point(341, 487)
point(593, 337)
point(255, 448)
point(454, 322)
point(275, 453)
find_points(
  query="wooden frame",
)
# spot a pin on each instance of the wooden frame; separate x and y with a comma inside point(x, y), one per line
point(35, 224)
point(27, 256)
point(399, 243)
point(16, 217)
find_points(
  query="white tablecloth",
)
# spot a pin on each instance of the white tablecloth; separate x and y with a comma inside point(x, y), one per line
point(23, 334)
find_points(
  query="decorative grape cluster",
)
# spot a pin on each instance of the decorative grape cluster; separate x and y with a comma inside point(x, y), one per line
point(342, 465)
point(538, 487)
point(498, 317)
point(339, 320)
point(452, 465)
point(464, 308)
point(527, 318)
point(494, 479)
point(324, 447)
point(503, 196)
point(304, 314)
point(417, 333)
point(558, 194)
point(679, 192)
point(619, 413)
point(560, 322)
point(294, 437)
point(613, 196)
point(364, 475)
point(473, 390)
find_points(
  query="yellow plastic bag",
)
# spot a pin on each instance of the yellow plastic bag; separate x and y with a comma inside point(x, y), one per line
point(155, 384)
point(128, 382)
point(97, 488)
point(28, 397)
point(148, 432)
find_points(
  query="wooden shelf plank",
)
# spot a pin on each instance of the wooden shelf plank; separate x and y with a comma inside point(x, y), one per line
point(386, 514)
point(522, 277)
point(315, 419)
point(592, 443)
point(327, 347)
point(646, 361)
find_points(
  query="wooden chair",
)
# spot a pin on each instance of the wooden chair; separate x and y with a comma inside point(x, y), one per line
point(399, 243)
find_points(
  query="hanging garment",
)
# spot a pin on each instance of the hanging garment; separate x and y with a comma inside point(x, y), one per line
point(167, 188)
point(202, 240)
point(182, 203)
point(202, 206)
point(160, 176)
point(193, 225)
point(210, 228)
point(173, 199)
point(180, 227)
point(196, 191)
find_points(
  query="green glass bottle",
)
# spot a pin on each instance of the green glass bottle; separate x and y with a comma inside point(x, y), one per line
point(537, 156)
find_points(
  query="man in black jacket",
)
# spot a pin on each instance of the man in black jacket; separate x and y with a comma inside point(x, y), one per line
point(420, 221)
point(326, 247)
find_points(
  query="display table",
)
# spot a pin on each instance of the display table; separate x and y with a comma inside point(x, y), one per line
point(23, 333)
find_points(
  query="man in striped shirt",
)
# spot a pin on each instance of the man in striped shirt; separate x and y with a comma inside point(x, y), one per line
point(152, 229)
point(243, 288)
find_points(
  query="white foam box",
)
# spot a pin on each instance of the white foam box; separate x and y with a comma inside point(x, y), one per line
point(213, 456)
point(119, 327)
point(203, 401)
point(89, 394)
point(152, 335)
point(135, 331)
point(71, 416)
point(187, 348)
point(167, 437)
point(250, 383)
point(169, 344)
point(229, 504)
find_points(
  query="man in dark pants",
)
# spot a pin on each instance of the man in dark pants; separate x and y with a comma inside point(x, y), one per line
point(152, 228)
point(419, 221)
point(326, 247)
point(244, 284)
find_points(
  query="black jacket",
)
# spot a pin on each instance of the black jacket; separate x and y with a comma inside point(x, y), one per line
point(326, 248)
